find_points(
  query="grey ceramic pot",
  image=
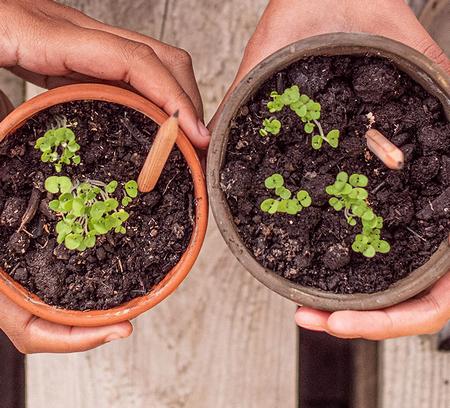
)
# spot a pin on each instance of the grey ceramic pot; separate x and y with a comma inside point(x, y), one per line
point(417, 66)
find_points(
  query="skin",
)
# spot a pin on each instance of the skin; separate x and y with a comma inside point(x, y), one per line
point(287, 21)
point(53, 45)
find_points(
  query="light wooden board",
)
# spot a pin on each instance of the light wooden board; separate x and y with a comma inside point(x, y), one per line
point(414, 374)
point(221, 340)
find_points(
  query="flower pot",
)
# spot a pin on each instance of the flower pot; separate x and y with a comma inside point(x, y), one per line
point(85, 92)
point(418, 67)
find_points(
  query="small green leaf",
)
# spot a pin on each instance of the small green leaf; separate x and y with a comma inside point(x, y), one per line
point(52, 185)
point(97, 210)
point(78, 208)
point(309, 127)
point(293, 207)
point(76, 160)
point(126, 201)
point(359, 193)
point(304, 198)
point(342, 176)
point(316, 142)
point(274, 181)
point(369, 252)
point(111, 187)
point(359, 180)
point(54, 205)
point(383, 247)
point(267, 204)
point(65, 184)
point(131, 188)
point(283, 192)
point(73, 241)
point(274, 207)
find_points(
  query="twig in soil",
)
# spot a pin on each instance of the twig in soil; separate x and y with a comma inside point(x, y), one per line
point(416, 234)
point(377, 188)
point(14, 269)
point(120, 265)
point(134, 132)
point(32, 207)
point(168, 184)
point(385, 150)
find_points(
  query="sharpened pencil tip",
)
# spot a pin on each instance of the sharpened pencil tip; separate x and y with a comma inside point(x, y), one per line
point(176, 114)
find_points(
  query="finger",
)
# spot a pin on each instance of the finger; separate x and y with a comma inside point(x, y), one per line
point(50, 82)
point(48, 337)
point(423, 315)
point(177, 61)
point(34, 335)
point(106, 56)
point(311, 319)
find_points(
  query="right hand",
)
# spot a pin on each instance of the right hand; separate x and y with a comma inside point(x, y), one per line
point(52, 45)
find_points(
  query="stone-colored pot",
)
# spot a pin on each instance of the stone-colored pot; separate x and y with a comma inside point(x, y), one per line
point(133, 308)
point(417, 66)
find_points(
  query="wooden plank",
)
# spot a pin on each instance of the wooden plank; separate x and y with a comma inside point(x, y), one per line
point(12, 86)
point(12, 375)
point(222, 340)
point(414, 374)
point(365, 374)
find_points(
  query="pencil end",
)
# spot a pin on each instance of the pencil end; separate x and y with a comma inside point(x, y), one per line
point(176, 114)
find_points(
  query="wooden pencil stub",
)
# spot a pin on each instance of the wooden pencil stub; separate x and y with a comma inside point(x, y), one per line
point(385, 150)
point(158, 154)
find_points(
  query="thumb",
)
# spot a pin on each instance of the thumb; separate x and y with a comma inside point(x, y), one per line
point(31, 334)
point(43, 336)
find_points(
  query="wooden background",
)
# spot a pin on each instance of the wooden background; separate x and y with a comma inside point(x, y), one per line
point(222, 340)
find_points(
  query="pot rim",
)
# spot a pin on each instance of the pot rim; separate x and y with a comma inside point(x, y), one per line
point(131, 309)
point(416, 65)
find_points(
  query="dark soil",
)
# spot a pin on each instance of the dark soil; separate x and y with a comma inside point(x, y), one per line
point(313, 248)
point(114, 142)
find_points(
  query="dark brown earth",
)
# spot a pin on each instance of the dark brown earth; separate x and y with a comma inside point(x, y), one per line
point(313, 248)
point(114, 141)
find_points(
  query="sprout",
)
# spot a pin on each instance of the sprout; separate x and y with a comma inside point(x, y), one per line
point(306, 109)
point(349, 195)
point(87, 210)
point(274, 181)
point(58, 146)
point(285, 203)
point(271, 125)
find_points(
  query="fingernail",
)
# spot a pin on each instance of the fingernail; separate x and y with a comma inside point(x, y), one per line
point(312, 327)
point(112, 337)
point(202, 129)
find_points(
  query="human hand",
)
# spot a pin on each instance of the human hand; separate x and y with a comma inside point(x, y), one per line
point(52, 45)
point(424, 314)
point(31, 334)
point(285, 22)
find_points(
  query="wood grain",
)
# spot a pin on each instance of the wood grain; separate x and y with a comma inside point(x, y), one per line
point(221, 340)
point(414, 374)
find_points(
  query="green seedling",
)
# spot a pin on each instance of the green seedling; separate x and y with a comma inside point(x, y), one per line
point(59, 147)
point(271, 125)
point(350, 196)
point(285, 203)
point(88, 209)
point(306, 109)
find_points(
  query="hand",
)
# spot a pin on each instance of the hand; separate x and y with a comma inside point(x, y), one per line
point(287, 21)
point(31, 334)
point(424, 314)
point(52, 45)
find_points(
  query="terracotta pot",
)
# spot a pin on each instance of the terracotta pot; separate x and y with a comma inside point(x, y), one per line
point(133, 308)
point(416, 65)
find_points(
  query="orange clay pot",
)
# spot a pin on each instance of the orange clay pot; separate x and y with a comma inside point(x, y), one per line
point(30, 302)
